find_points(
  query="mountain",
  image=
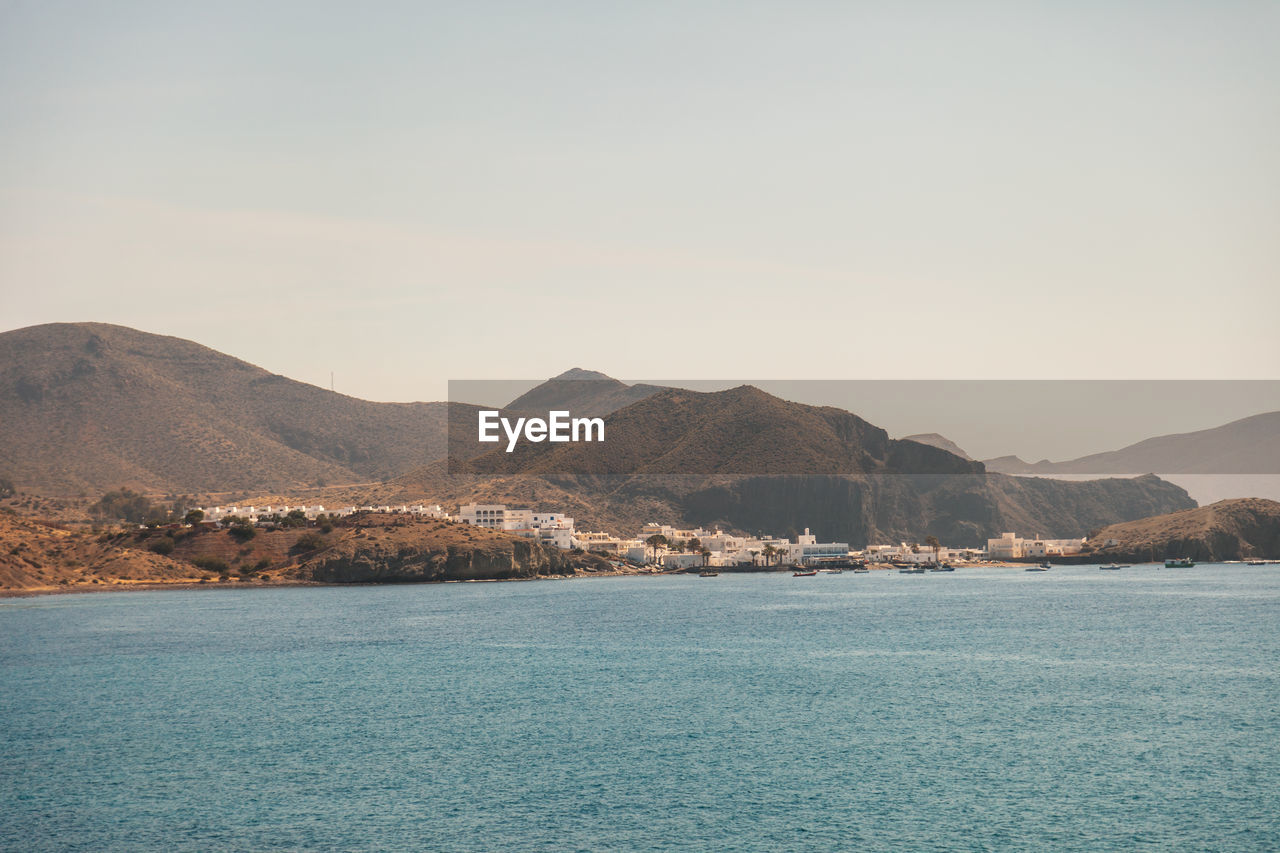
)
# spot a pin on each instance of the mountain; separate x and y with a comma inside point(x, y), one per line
point(585, 393)
point(1228, 530)
point(92, 406)
point(739, 431)
point(743, 459)
point(939, 441)
point(1248, 446)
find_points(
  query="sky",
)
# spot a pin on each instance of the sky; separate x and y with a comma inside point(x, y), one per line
point(405, 194)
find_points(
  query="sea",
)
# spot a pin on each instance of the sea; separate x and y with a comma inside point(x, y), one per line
point(985, 709)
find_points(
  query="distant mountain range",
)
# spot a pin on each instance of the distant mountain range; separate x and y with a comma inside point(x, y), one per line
point(1247, 446)
point(88, 407)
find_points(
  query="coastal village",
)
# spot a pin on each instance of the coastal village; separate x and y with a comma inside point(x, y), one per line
point(666, 546)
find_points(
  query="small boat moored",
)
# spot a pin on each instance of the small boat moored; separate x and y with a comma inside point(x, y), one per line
point(1179, 563)
point(804, 574)
point(1111, 568)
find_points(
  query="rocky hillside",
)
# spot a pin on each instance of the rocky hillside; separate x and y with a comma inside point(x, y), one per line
point(1227, 530)
point(373, 548)
point(387, 549)
point(90, 406)
point(39, 557)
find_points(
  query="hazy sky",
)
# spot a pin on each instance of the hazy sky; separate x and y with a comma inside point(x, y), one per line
point(407, 193)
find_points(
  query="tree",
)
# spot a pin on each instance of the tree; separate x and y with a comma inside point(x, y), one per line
point(242, 529)
point(693, 545)
point(655, 542)
point(122, 504)
point(194, 516)
point(932, 542)
point(768, 553)
point(706, 556)
point(754, 553)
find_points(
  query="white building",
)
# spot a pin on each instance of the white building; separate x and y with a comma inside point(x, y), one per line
point(1010, 547)
point(550, 528)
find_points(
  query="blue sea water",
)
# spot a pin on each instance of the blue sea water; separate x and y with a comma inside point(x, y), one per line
point(987, 709)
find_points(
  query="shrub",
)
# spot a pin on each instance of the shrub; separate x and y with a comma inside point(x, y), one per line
point(309, 542)
point(122, 503)
point(262, 565)
point(194, 516)
point(211, 564)
point(243, 531)
point(163, 546)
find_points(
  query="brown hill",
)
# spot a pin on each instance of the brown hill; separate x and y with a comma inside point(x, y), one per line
point(741, 431)
point(1239, 529)
point(36, 557)
point(586, 393)
point(91, 406)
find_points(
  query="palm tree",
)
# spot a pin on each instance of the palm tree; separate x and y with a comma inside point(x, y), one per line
point(655, 542)
point(768, 552)
point(754, 553)
point(693, 545)
point(932, 542)
point(706, 556)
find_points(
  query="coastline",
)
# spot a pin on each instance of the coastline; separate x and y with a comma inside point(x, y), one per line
point(186, 584)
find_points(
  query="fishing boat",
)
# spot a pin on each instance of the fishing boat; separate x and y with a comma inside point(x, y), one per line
point(1179, 563)
point(1111, 568)
point(708, 573)
point(860, 570)
point(804, 574)
point(1036, 569)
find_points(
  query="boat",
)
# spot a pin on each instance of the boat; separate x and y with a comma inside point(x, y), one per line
point(860, 570)
point(833, 571)
point(1046, 565)
point(911, 570)
point(1036, 569)
point(1111, 568)
point(708, 573)
point(1255, 562)
point(1179, 563)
